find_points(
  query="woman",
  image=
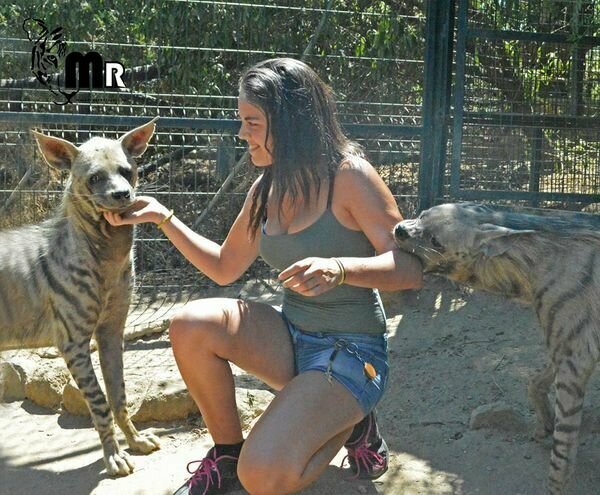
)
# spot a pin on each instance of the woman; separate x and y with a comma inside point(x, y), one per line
point(321, 214)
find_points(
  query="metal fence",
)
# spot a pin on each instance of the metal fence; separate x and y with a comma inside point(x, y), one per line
point(523, 115)
point(182, 63)
point(479, 99)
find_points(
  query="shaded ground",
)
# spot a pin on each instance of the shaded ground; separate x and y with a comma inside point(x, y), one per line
point(451, 351)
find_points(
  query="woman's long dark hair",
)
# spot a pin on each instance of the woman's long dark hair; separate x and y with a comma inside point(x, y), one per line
point(307, 139)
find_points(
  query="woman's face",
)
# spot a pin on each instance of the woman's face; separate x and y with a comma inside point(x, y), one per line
point(254, 131)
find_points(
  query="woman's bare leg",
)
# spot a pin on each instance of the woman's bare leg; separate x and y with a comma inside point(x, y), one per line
point(307, 422)
point(207, 334)
point(298, 435)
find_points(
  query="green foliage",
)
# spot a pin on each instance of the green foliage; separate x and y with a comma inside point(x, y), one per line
point(201, 48)
point(546, 76)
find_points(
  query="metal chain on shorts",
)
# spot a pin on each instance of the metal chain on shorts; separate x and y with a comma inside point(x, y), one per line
point(368, 369)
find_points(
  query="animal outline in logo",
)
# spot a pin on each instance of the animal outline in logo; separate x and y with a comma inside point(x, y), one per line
point(49, 48)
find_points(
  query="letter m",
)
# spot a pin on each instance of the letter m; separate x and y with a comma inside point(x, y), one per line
point(75, 60)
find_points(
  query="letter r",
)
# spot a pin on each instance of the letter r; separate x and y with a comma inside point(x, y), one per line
point(112, 73)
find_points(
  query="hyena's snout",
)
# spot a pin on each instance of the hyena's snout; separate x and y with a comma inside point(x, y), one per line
point(407, 230)
point(120, 198)
point(400, 232)
point(122, 195)
point(116, 196)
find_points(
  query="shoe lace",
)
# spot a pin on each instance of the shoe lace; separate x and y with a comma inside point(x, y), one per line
point(366, 457)
point(203, 473)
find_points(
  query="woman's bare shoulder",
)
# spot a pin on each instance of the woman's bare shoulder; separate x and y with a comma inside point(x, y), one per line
point(356, 170)
point(354, 163)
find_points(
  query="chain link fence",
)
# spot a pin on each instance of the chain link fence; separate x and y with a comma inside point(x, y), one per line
point(526, 102)
point(182, 61)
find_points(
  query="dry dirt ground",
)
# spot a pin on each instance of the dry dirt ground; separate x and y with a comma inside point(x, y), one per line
point(451, 351)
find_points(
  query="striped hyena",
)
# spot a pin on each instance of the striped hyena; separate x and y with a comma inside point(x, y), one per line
point(551, 262)
point(68, 278)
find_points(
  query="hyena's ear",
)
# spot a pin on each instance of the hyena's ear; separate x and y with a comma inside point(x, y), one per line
point(57, 152)
point(135, 142)
point(494, 240)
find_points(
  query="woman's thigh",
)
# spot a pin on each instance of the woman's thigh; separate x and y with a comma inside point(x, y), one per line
point(251, 335)
point(290, 442)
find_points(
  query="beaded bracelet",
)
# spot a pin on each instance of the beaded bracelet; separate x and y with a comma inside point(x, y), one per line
point(342, 271)
point(165, 220)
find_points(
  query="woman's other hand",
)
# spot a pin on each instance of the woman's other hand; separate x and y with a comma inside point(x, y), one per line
point(312, 276)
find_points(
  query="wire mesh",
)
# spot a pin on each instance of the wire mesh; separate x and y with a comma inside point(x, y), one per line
point(182, 61)
point(529, 103)
point(539, 16)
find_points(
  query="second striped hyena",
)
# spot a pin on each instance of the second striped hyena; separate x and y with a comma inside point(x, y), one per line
point(548, 261)
point(69, 277)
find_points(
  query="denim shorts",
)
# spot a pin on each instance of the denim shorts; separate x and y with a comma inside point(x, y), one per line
point(357, 360)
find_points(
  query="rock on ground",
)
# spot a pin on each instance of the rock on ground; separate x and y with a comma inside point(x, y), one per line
point(497, 415)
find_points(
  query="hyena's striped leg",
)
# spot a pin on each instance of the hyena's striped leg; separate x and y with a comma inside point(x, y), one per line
point(109, 335)
point(538, 389)
point(571, 379)
point(77, 357)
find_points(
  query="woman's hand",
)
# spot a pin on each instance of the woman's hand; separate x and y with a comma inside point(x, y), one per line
point(143, 209)
point(312, 276)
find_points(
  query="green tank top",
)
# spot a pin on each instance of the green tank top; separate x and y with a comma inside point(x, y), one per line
point(342, 309)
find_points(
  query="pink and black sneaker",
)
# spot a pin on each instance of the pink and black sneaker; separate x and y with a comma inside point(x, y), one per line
point(214, 474)
point(368, 454)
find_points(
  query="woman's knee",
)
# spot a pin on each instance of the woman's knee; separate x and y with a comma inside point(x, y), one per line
point(263, 476)
point(193, 324)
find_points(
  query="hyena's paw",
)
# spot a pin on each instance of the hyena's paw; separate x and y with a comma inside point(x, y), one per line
point(144, 443)
point(119, 464)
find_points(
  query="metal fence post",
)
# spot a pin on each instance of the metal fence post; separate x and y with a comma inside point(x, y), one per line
point(436, 98)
